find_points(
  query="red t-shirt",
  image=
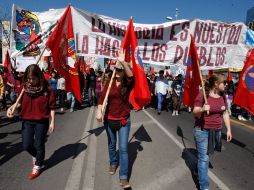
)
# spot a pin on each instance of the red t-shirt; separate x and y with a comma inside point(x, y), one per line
point(117, 107)
point(37, 108)
point(214, 120)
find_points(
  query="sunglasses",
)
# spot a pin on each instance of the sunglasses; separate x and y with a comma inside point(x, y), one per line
point(119, 70)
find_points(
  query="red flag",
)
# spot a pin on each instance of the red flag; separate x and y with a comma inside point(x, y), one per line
point(62, 46)
point(210, 73)
point(47, 60)
point(152, 71)
point(140, 95)
point(244, 96)
point(7, 61)
point(192, 77)
point(229, 76)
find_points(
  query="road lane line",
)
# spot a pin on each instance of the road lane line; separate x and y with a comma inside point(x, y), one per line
point(215, 179)
point(242, 124)
point(165, 177)
point(138, 124)
point(88, 183)
point(73, 182)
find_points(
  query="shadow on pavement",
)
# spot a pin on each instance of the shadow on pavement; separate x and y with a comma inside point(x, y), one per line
point(141, 135)
point(63, 153)
point(9, 150)
point(4, 121)
point(3, 135)
point(238, 143)
point(190, 156)
point(96, 132)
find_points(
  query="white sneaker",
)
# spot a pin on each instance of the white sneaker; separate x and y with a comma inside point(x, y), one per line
point(174, 113)
point(243, 119)
point(177, 113)
point(239, 117)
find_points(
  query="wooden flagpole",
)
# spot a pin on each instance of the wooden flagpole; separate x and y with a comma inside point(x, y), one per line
point(107, 93)
point(22, 92)
point(202, 85)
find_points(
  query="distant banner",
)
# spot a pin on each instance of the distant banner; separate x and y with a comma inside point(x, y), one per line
point(220, 45)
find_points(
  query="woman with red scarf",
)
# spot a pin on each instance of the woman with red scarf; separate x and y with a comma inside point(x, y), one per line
point(37, 112)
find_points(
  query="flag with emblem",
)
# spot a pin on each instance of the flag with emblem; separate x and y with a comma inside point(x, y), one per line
point(140, 95)
point(62, 45)
point(192, 77)
point(244, 96)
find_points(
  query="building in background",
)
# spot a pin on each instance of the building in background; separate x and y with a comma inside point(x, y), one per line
point(250, 18)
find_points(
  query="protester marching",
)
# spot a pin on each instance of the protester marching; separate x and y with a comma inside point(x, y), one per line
point(196, 72)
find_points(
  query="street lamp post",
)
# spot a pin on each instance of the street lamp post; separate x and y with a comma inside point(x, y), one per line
point(176, 15)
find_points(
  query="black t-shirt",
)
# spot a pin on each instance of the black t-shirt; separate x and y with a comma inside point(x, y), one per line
point(91, 81)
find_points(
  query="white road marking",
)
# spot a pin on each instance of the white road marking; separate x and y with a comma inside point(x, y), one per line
point(73, 182)
point(88, 183)
point(165, 177)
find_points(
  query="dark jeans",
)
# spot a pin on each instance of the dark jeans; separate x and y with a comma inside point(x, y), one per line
point(3, 101)
point(33, 137)
point(62, 95)
point(91, 96)
point(176, 103)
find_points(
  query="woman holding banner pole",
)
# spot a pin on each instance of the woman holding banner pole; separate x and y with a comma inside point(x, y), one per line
point(117, 116)
point(37, 112)
point(210, 113)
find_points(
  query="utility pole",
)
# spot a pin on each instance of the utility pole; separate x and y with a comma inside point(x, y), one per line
point(177, 11)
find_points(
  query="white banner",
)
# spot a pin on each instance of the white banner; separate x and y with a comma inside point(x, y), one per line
point(220, 45)
point(26, 26)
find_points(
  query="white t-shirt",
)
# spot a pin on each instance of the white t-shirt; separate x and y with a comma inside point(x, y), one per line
point(161, 85)
point(61, 84)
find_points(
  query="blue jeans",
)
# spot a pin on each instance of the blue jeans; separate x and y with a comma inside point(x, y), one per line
point(161, 98)
point(71, 97)
point(123, 137)
point(201, 140)
point(13, 96)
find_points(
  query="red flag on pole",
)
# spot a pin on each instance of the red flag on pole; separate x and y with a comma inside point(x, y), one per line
point(229, 76)
point(210, 73)
point(244, 96)
point(140, 95)
point(7, 61)
point(192, 77)
point(62, 45)
point(152, 70)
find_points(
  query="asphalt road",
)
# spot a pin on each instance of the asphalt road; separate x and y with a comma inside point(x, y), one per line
point(161, 152)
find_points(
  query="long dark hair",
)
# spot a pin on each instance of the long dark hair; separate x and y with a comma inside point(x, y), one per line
point(124, 89)
point(34, 70)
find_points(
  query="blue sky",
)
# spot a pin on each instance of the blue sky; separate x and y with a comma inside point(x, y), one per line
point(146, 11)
